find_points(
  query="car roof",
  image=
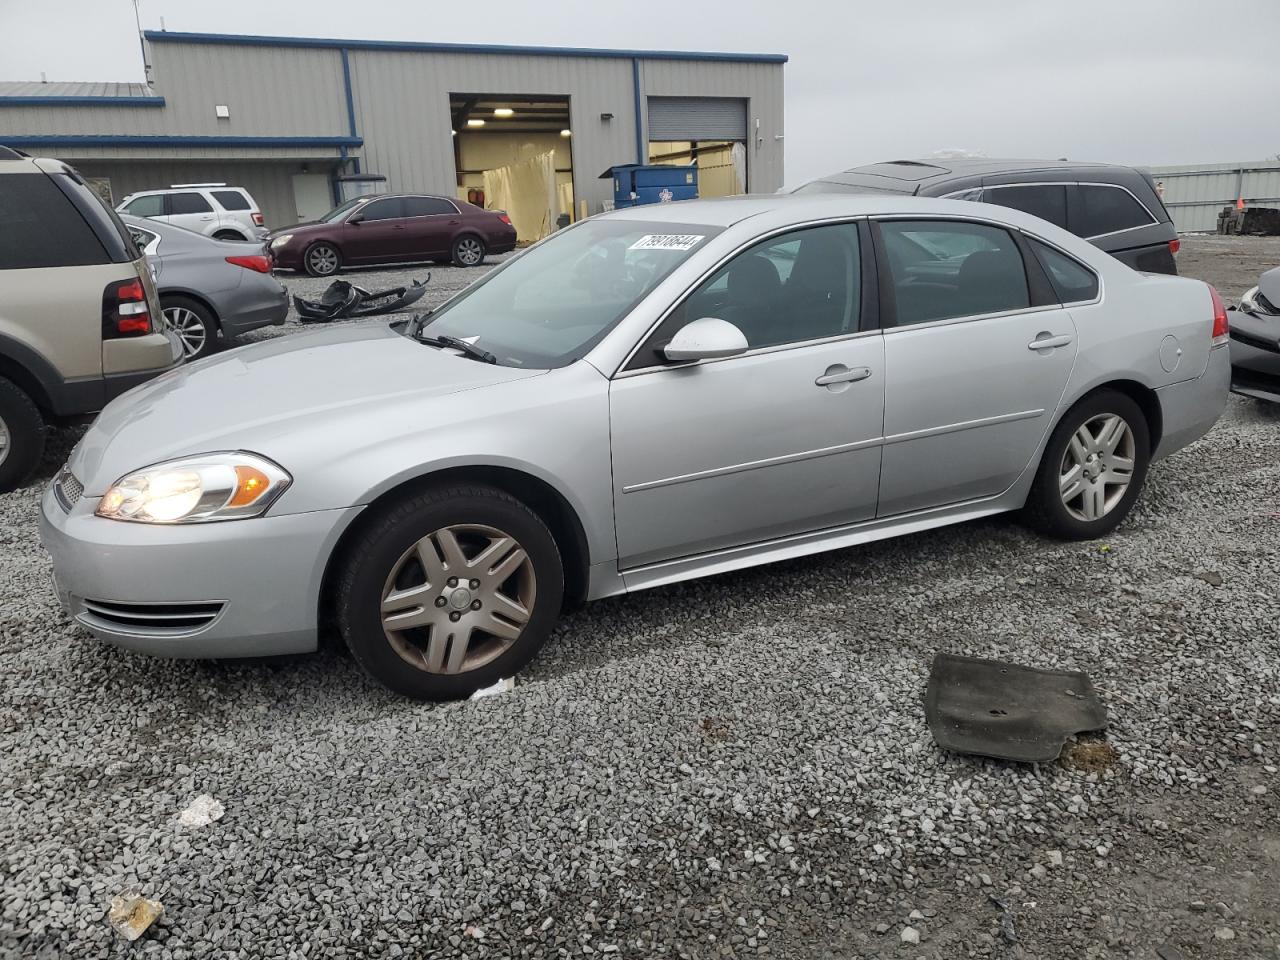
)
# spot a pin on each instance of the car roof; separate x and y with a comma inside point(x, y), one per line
point(915, 174)
point(808, 207)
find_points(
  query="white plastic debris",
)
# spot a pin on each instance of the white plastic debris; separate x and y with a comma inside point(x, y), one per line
point(201, 812)
point(131, 913)
point(502, 686)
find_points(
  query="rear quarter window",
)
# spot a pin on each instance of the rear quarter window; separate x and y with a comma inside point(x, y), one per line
point(1072, 281)
point(41, 227)
point(1099, 209)
point(231, 200)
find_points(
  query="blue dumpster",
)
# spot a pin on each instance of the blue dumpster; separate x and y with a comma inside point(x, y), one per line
point(639, 183)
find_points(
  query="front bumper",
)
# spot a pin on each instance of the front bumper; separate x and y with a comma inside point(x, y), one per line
point(1190, 408)
point(241, 588)
point(1255, 356)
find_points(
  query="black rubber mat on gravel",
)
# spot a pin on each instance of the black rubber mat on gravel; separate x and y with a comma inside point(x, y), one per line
point(1007, 711)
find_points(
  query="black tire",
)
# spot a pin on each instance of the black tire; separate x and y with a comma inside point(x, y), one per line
point(23, 432)
point(199, 327)
point(1045, 509)
point(318, 264)
point(464, 250)
point(381, 546)
point(229, 235)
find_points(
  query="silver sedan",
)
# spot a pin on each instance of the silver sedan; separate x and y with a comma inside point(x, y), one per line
point(656, 394)
point(209, 288)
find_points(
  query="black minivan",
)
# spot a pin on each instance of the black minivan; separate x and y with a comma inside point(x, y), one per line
point(1115, 208)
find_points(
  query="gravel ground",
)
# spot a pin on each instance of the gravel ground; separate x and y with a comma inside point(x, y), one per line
point(734, 767)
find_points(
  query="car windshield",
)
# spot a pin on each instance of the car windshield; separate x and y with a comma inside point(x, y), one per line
point(548, 306)
point(340, 211)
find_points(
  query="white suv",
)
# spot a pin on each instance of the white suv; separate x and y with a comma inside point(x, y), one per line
point(213, 209)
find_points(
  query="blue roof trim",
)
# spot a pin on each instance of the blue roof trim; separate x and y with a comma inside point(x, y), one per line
point(111, 140)
point(88, 101)
point(163, 36)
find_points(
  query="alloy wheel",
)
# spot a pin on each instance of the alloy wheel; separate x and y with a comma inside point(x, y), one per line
point(189, 327)
point(4, 440)
point(1097, 467)
point(469, 251)
point(322, 260)
point(458, 598)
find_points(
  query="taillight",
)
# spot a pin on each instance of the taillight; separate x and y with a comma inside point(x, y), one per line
point(258, 220)
point(1220, 329)
point(258, 261)
point(505, 219)
point(1175, 245)
point(124, 310)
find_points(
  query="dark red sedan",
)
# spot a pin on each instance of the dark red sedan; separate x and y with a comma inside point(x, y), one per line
point(398, 228)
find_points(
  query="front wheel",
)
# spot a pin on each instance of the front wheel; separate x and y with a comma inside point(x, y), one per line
point(449, 591)
point(468, 251)
point(1092, 470)
point(322, 260)
point(22, 435)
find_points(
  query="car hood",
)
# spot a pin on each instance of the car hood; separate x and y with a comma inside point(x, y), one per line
point(297, 393)
point(1269, 286)
point(307, 226)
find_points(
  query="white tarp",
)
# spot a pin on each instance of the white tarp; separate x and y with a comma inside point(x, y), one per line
point(527, 192)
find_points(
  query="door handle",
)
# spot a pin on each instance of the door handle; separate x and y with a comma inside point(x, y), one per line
point(206, 219)
point(1047, 341)
point(839, 373)
point(454, 223)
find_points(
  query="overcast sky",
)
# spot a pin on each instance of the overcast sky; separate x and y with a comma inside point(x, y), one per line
point(1130, 81)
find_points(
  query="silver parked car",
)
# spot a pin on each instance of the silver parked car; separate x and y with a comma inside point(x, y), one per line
point(209, 288)
point(656, 394)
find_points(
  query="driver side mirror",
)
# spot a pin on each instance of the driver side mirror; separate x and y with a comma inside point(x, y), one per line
point(706, 339)
point(355, 219)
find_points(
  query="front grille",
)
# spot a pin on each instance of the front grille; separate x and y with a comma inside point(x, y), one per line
point(67, 489)
point(1262, 343)
point(150, 619)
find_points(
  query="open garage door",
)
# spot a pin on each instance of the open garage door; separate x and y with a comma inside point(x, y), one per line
point(697, 118)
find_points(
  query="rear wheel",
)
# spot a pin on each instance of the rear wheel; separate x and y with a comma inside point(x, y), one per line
point(449, 591)
point(468, 251)
point(322, 260)
point(228, 235)
point(22, 435)
point(193, 323)
point(1093, 468)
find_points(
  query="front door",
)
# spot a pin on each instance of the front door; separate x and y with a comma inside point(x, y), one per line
point(379, 235)
point(783, 439)
point(974, 369)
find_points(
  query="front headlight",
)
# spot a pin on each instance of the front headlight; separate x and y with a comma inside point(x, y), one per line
point(280, 241)
point(215, 486)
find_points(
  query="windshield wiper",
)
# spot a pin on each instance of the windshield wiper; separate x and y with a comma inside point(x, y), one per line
point(457, 343)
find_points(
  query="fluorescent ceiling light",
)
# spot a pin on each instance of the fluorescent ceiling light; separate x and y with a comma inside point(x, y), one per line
point(565, 133)
point(475, 123)
point(503, 112)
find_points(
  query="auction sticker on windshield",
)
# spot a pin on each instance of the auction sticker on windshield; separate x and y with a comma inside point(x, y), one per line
point(666, 241)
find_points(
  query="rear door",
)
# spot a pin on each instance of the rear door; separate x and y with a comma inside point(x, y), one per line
point(977, 356)
point(430, 222)
point(192, 211)
point(379, 234)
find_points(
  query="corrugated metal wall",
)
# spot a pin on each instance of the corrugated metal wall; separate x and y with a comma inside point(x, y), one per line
point(1195, 194)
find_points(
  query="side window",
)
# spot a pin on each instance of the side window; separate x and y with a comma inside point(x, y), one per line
point(427, 207)
point(803, 285)
point(942, 269)
point(386, 209)
point(1046, 201)
point(40, 226)
point(231, 199)
point(151, 206)
point(1072, 281)
point(188, 203)
point(1103, 209)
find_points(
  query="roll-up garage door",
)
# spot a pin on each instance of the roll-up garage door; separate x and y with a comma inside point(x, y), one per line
point(697, 118)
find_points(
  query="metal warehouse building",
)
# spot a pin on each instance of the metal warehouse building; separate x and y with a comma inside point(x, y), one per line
point(294, 119)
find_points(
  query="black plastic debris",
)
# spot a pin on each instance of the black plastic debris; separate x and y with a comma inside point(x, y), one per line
point(1007, 711)
point(342, 300)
